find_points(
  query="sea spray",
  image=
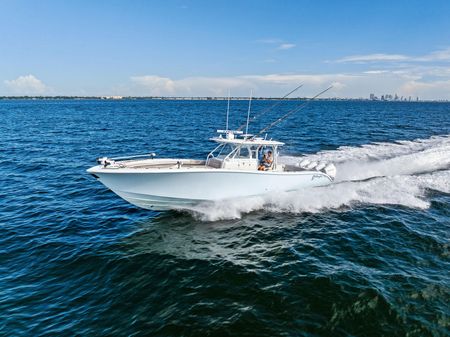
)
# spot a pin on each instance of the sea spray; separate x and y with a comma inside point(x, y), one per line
point(398, 173)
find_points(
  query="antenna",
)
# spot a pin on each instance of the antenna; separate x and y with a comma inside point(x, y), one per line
point(294, 110)
point(272, 106)
point(228, 110)
point(248, 112)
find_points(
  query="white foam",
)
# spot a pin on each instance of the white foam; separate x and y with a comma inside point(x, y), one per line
point(396, 173)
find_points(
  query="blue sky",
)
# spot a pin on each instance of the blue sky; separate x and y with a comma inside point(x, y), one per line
point(199, 48)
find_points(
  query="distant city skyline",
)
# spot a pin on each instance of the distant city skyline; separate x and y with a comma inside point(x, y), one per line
point(204, 48)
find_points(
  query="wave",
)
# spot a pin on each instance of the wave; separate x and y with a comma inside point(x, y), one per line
point(396, 173)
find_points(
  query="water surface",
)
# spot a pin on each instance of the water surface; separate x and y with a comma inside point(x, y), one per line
point(368, 256)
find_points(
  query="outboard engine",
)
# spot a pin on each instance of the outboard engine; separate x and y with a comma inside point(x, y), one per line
point(311, 165)
point(330, 170)
point(320, 166)
point(304, 163)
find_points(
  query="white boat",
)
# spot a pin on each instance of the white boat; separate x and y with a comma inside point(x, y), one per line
point(230, 171)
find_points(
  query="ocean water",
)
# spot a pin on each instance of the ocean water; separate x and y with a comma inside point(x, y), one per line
point(366, 256)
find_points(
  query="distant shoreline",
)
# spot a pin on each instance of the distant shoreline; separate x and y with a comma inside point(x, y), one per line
point(169, 98)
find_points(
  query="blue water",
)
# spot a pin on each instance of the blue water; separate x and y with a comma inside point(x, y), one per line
point(368, 256)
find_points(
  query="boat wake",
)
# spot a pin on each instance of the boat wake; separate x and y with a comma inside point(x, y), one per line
point(398, 173)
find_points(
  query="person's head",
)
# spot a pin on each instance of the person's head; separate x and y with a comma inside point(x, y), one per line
point(269, 153)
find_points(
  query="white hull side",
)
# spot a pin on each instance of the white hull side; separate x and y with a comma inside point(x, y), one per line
point(157, 203)
point(164, 190)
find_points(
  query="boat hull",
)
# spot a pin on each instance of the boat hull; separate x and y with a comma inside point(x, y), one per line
point(181, 189)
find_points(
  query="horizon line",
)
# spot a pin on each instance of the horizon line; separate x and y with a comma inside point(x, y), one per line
point(218, 98)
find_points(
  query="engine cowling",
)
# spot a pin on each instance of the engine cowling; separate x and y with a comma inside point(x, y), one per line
point(330, 170)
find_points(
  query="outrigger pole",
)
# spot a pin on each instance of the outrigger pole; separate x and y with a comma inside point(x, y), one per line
point(228, 110)
point(248, 112)
point(269, 108)
point(293, 111)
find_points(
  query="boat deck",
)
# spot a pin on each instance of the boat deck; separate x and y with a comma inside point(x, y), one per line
point(164, 164)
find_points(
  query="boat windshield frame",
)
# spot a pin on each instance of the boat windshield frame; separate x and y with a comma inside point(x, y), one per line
point(236, 147)
point(236, 141)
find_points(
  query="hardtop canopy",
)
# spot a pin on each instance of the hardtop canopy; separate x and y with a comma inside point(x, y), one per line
point(245, 139)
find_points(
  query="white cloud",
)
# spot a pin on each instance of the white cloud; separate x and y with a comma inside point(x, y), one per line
point(426, 76)
point(293, 79)
point(436, 89)
point(373, 58)
point(338, 85)
point(404, 82)
point(442, 55)
point(282, 45)
point(270, 40)
point(26, 85)
point(155, 84)
point(376, 71)
point(439, 55)
point(262, 85)
point(286, 46)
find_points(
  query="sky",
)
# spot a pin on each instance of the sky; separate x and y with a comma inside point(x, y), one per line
point(205, 48)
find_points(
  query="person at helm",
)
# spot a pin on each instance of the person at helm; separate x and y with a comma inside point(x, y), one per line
point(266, 161)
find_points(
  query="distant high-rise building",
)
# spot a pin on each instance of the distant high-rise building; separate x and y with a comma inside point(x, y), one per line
point(372, 97)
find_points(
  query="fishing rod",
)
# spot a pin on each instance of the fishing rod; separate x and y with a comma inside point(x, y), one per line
point(269, 108)
point(293, 111)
